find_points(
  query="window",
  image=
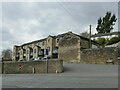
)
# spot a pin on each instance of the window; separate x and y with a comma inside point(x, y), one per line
point(43, 43)
point(34, 50)
point(55, 50)
point(57, 40)
point(27, 51)
point(41, 53)
point(24, 51)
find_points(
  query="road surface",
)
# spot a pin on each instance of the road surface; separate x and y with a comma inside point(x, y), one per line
point(74, 76)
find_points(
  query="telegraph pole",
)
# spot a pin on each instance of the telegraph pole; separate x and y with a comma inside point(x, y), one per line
point(90, 38)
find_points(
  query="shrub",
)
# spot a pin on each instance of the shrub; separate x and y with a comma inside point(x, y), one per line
point(113, 40)
point(102, 41)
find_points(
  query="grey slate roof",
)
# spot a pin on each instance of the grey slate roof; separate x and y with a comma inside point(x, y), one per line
point(58, 36)
point(34, 41)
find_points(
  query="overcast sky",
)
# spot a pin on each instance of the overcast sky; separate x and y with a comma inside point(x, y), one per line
point(28, 21)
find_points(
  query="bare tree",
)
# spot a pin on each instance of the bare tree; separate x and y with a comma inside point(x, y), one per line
point(7, 54)
point(85, 34)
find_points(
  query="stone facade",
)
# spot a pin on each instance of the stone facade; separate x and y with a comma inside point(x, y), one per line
point(70, 47)
point(64, 46)
point(35, 49)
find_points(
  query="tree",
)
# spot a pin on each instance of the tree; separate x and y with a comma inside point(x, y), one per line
point(105, 24)
point(85, 34)
point(7, 54)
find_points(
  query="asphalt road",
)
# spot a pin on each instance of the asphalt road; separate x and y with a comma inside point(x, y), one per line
point(74, 76)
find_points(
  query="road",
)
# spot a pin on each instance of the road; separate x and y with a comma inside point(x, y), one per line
point(74, 76)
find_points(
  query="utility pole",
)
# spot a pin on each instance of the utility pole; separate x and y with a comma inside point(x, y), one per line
point(90, 38)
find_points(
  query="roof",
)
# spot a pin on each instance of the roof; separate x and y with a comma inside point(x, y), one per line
point(34, 41)
point(106, 34)
point(40, 40)
point(58, 36)
point(61, 35)
point(114, 45)
point(86, 39)
point(16, 46)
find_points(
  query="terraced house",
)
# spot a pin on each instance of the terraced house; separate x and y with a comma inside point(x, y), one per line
point(66, 46)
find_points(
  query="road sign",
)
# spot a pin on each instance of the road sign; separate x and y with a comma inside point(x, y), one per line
point(47, 51)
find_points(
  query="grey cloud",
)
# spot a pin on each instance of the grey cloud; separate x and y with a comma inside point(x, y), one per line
point(89, 12)
point(119, 16)
point(24, 22)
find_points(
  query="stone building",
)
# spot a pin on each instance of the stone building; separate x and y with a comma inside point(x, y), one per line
point(70, 47)
point(66, 46)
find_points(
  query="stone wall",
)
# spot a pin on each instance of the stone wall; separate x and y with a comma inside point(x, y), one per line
point(99, 56)
point(84, 43)
point(69, 54)
point(32, 67)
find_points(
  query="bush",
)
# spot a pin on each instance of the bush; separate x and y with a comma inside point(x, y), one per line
point(102, 41)
point(113, 40)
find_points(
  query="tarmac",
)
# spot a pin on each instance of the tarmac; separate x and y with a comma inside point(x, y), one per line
point(74, 76)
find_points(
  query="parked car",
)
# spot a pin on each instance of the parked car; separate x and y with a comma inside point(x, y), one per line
point(37, 59)
point(20, 60)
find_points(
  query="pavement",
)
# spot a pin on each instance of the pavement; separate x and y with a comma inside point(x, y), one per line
point(74, 76)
